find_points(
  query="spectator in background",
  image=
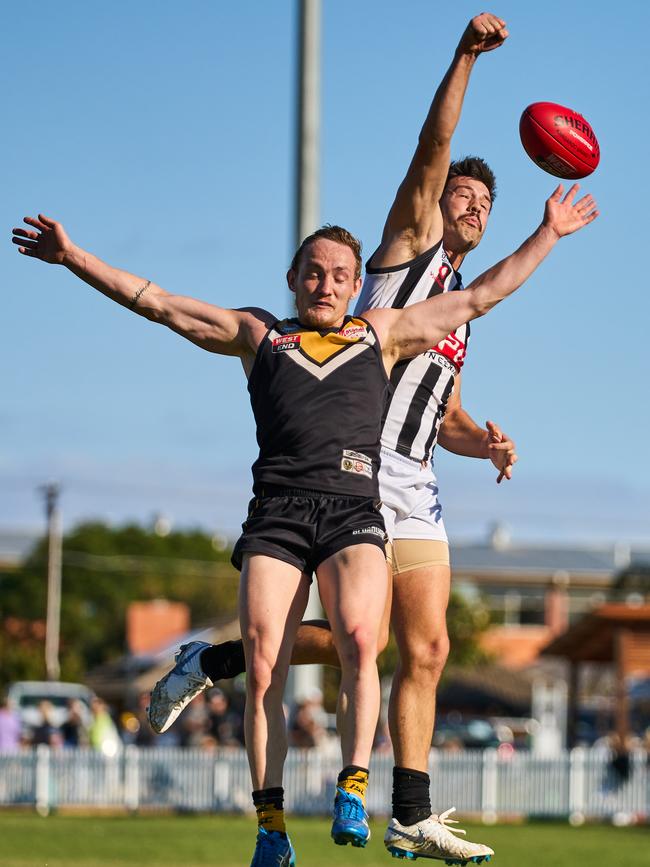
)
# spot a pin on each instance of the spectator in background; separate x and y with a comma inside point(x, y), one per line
point(102, 733)
point(144, 735)
point(308, 722)
point(195, 723)
point(224, 724)
point(46, 732)
point(73, 729)
point(9, 727)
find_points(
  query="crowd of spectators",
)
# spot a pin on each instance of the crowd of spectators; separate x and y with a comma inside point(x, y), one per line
point(214, 720)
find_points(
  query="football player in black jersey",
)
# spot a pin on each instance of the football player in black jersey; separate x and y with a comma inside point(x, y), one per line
point(350, 568)
point(281, 545)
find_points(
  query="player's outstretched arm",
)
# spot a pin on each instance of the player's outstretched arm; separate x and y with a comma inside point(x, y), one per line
point(408, 332)
point(414, 222)
point(227, 332)
point(460, 434)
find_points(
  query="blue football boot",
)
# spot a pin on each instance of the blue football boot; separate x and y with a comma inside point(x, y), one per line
point(350, 820)
point(273, 849)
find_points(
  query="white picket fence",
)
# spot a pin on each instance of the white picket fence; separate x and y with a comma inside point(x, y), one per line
point(577, 784)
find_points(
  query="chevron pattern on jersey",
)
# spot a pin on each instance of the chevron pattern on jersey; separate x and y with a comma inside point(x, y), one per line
point(322, 354)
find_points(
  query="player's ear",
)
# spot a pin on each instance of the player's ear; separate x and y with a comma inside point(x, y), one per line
point(291, 279)
point(357, 287)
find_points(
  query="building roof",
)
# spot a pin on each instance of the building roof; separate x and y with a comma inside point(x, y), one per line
point(593, 638)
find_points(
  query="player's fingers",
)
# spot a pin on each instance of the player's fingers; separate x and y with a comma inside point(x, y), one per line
point(556, 195)
point(500, 447)
point(23, 233)
point(31, 221)
point(31, 245)
point(494, 430)
point(573, 189)
point(26, 252)
point(47, 220)
point(586, 203)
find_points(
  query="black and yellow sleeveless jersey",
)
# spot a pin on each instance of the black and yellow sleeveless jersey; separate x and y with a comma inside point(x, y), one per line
point(318, 399)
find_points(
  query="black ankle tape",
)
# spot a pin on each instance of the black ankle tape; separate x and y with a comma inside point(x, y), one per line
point(223, 661)
point(411, 797)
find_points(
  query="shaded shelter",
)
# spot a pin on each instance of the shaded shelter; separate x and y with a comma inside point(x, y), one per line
point(616, 634)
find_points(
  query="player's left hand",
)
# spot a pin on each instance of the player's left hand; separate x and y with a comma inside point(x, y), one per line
point(485, 32)
point(501, 451)
point(564, 216)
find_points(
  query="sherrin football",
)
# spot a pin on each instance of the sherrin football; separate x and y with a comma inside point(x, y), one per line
point(559, 140)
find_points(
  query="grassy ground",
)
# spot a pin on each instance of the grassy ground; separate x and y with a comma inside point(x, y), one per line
point(191, 841)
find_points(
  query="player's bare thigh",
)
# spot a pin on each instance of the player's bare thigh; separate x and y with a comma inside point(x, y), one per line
point(421, 586)
point(353, 585)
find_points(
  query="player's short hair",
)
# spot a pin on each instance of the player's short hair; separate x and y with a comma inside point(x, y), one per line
point(332, 233)
point(477, 168)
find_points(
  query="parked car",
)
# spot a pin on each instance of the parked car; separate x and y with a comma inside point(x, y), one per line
point(27, 695)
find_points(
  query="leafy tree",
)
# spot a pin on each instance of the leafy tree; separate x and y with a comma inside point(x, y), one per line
point(104, 569)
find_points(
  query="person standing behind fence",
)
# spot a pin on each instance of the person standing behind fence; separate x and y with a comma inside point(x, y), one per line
point(10, 728)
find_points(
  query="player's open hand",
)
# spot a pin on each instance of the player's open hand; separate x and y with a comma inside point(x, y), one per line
point(49, 242)
point(501, 451)
point(485, 32)
point(565, 216)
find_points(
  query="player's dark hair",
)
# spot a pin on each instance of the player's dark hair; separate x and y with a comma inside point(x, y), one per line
point(332, 233)
point(477, 168)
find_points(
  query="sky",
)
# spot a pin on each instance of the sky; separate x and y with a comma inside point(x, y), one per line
point(162, 136)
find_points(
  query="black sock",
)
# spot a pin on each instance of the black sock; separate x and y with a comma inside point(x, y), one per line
point(411, 798)
point(223, 661)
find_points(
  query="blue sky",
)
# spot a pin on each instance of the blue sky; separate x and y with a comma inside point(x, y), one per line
point(162, 137)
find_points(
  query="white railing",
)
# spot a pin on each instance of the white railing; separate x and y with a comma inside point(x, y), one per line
point(577, 784)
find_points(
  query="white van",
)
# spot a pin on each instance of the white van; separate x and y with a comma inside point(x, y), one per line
point(26, 695)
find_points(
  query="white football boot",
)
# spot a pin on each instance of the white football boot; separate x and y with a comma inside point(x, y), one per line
point(178, 687)
point(433, 838)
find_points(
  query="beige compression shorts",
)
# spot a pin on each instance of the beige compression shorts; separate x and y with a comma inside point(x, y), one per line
point(407, 554)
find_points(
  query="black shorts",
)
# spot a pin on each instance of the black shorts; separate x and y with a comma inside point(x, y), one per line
point(306, 527)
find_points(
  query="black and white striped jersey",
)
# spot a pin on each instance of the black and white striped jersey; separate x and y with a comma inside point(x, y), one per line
point(420, 386)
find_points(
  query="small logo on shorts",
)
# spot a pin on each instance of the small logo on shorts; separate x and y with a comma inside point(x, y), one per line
point(375, 531)
point(356, 462)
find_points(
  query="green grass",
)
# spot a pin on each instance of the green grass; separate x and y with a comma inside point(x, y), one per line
point(192, 841)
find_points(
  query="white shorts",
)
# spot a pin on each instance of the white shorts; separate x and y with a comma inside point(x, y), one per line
point(409, 495)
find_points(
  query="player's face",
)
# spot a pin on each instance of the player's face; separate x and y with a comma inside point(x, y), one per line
point(324, 283)
point(465, 206)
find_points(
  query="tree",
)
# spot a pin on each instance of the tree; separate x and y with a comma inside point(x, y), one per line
point(104, 569)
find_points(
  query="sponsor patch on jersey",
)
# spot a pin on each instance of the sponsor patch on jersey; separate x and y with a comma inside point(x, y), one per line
point(375, 531)
point(441, 361)
point(453, 348)
point(289, 341)
point(356, 462)
point(354, 332)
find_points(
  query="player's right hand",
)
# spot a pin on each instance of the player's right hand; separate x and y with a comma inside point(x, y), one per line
point(50, 243)
point(485, 32)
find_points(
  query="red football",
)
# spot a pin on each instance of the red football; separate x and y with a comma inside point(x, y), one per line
point(559, 140)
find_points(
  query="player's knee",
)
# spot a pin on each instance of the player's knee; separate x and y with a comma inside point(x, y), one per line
point(358, 647)
point(427, 658)
point(263, 672)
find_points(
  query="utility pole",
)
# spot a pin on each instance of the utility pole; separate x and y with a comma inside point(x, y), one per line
point(51, 494)
point(307, 203)
point(304, 679)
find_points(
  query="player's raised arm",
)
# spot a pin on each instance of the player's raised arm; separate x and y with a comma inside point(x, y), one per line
point(414, 222)
point(228, 332)
point(408, 332)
